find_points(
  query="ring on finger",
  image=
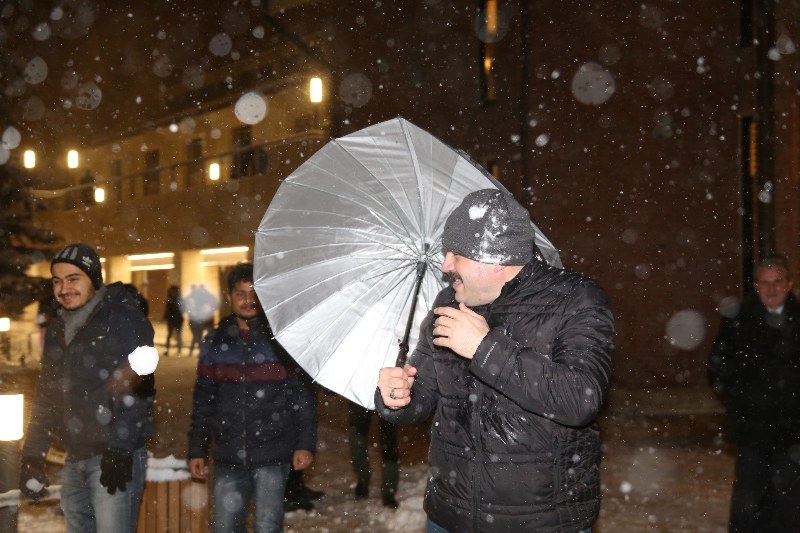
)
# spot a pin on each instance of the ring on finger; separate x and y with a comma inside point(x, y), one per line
point(393, 395)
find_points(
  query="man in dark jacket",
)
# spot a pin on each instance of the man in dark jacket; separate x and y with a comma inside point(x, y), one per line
point(90, 400)
point(261, 415)
point(514, 363)
point(755, 364)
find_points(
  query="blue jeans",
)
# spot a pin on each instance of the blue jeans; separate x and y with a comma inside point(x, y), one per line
point(87, 505)
point(233, 488)
point(433, 527)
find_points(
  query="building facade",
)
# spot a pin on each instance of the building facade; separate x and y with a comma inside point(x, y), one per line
point(635, 132)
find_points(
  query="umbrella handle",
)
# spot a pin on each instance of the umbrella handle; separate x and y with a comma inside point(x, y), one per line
point(402, 355)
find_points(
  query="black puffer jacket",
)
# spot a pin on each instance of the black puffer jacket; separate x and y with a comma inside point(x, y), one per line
point(251, 399)
point(88, 397)
point(513, 445)
point(755, 363)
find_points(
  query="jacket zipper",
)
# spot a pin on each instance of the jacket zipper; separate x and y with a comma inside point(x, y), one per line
point(476, 421)
point(244, 407)
point(476, 485)
point(556, 468)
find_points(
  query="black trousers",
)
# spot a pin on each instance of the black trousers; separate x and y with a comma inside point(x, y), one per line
point(766, 492)
point(175, 330)
point(358, 433)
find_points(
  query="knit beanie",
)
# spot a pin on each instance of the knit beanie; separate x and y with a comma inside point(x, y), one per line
point(490, 227)
point(84, 257)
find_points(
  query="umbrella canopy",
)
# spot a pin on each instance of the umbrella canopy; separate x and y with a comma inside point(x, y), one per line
point(338, 251)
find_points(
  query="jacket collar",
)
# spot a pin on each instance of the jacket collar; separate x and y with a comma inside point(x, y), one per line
point(534, 266)
point(228, 329)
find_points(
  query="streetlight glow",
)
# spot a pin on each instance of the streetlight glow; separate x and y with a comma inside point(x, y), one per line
point(11, 406)
point(29, 159)
point(213, 171)
point(72, 159)
point(157, 255)
point(99, 195)
point(315, 89)
point(231, 249)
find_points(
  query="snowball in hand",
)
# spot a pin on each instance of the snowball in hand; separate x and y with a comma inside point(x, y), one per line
point(143, 360)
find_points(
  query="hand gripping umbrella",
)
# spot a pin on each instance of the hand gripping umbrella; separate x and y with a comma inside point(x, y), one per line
point(348, 255)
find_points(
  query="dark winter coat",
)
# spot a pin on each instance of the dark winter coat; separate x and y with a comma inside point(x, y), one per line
point(251, 399)
point(88, 397)
point(513, 444)
point(755, 363)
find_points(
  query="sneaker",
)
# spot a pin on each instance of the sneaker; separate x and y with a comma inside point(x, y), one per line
point(362, 489)
point(390, 502)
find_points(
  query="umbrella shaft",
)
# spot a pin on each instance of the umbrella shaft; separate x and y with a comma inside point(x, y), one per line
point(402, 355)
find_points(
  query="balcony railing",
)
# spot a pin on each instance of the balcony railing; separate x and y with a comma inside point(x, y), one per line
point(270, 160)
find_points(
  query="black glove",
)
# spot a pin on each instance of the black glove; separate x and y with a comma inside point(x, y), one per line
point(116, 469)
point(32, 481)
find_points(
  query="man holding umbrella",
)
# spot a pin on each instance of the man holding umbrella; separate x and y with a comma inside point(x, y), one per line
point(514, 362)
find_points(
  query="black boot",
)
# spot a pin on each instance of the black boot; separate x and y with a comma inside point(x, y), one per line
point(362, 489)
point(390, 502)
point(296, 495)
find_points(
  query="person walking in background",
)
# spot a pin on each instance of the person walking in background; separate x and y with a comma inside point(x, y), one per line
point(173, 316)
point(360, 420)
point(90, 400)
point(755, 366)
point(513, 362)
point(260, 415)
point(200, 306)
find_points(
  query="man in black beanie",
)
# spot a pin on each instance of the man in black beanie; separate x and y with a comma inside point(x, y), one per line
point(89, 400)
point(514, 363)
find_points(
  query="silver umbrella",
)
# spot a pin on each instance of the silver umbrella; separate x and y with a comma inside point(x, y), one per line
point(348, 255)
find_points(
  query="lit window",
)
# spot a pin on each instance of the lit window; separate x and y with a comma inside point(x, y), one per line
point(213, 171)
point(72, 159)
point(489, 31)
point(29, 159)
point(315, 90)
point(493, 167)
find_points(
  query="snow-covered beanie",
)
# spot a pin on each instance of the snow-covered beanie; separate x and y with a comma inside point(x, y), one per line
point(84, 257)
point(490, 227)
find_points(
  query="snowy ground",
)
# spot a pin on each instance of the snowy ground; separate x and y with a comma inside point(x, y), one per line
point(665, 465)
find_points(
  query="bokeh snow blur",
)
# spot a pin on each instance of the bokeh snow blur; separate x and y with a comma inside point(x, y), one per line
point(143, 360)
